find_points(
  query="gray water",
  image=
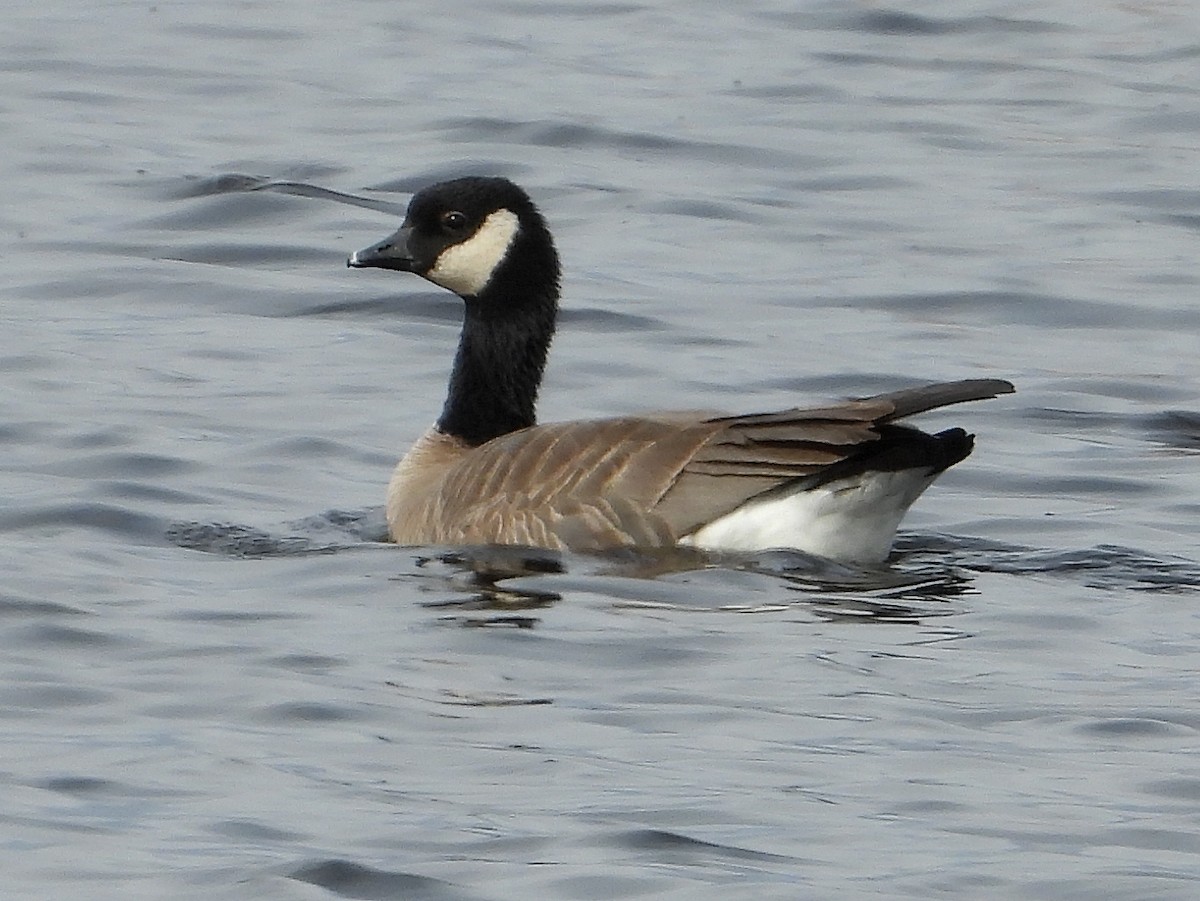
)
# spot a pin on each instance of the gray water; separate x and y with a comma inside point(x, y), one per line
point(216, 682)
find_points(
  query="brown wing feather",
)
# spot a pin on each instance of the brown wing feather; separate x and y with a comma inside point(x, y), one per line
point(575, 484)
point(757, 453)
point(645, 481)
point(910, 401)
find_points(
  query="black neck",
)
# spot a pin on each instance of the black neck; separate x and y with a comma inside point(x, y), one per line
point(498, 368)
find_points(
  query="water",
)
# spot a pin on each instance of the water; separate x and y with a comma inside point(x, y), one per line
point(217, 683)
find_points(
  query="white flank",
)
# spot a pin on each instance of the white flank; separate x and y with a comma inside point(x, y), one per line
point(852, 519)
point(466, 268)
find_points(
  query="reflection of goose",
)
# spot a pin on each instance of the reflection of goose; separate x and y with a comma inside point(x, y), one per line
point(833, 480)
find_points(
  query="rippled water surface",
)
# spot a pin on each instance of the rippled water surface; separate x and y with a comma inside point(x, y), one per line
point(217, 682)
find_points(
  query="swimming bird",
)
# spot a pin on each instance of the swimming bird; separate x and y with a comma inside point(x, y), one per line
point(833, 480)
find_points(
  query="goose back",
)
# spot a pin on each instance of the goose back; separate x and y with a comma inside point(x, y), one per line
point(652, 481)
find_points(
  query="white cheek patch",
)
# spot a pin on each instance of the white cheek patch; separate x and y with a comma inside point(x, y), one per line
point(466, 268)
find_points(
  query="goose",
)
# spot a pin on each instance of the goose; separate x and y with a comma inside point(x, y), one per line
point(834, 480)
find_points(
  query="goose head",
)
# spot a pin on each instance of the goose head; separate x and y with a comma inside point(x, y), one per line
point(483, 239)
point(473, 236)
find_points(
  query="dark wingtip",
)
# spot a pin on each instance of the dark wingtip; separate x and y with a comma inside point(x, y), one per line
point(910, 401)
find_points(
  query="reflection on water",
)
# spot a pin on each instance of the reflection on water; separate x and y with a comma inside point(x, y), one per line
point(488, 586)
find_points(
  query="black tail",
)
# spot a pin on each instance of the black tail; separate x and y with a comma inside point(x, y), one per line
point(901, 447)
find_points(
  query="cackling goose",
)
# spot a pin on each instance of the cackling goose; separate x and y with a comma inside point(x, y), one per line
point(832, 480)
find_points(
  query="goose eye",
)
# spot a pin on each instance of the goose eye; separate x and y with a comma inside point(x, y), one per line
point(453, 220)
